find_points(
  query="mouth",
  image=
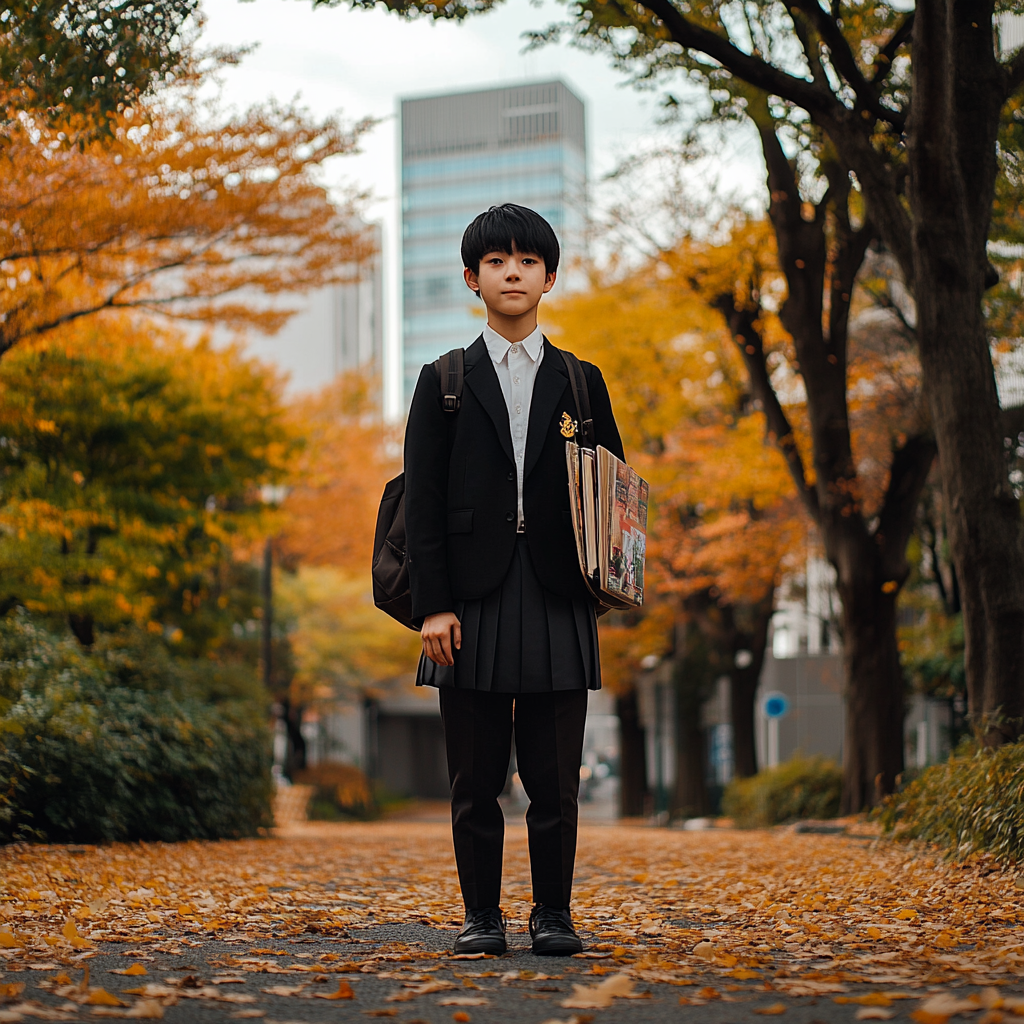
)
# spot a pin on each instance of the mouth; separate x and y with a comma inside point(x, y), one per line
point(513, 293)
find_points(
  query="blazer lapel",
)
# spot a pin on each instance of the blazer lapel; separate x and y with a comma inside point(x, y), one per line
point(482, 380)
point(547, 391)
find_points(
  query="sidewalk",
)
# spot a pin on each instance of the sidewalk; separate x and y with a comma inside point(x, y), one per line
point(349, 922)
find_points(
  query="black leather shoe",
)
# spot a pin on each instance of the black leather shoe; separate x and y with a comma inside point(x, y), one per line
point(552, 932)
point(483, 932)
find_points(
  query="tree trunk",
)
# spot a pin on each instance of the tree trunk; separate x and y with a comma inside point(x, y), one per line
point(295, 755)
point(84, 628)
point(743, 684)
point(632, 757)
point(690, 793)
point(873, 740)
point(693, 674)
point(952, 175)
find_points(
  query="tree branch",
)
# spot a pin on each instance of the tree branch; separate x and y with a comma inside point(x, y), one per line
point(884, 58)
point(845, 63)
point(757, 72)
point(910, 467)
point(1014, 74)
point(748, 340)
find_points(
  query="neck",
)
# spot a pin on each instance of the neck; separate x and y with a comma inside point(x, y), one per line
point(513, 328)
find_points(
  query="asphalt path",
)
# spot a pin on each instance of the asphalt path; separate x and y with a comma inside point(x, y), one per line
point(397, 960)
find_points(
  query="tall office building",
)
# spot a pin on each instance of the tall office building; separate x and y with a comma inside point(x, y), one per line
point(462, 153)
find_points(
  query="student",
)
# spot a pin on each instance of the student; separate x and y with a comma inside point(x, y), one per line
point(509, 631)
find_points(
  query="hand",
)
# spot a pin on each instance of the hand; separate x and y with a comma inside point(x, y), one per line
point(439, 632)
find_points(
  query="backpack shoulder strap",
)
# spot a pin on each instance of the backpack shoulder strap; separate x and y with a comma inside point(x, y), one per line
point(581, 396)
point(451, 371)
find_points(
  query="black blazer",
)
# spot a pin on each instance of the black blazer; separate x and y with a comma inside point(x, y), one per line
point(460, 483)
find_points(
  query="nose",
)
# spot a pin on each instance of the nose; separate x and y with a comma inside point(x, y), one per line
point(512, 270)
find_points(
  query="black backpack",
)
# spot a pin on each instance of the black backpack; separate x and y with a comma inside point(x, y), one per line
point(391, 591)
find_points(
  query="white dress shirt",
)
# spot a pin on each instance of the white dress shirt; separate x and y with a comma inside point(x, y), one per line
point(516, 365)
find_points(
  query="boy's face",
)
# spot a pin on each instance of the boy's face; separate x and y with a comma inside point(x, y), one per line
point(511, 284)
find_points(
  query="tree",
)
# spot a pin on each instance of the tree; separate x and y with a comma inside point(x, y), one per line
point(176, 214)
point(89, 57)
point(130, 468)
point(724, 515)
point(342, 645)
point(834, 85)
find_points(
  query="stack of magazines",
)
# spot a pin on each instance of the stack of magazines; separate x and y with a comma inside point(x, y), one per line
point(608, 505)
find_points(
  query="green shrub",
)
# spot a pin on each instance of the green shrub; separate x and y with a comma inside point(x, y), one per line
point(125, 743)
point(341, 792)
point(802, 787)
point(972, 803)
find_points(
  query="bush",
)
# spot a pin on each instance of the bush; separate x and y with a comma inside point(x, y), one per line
point(123, 743)
point(341, 791)
point(802, 787)
point(973, 803)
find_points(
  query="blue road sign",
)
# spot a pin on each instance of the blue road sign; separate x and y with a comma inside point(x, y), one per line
point(776, 705)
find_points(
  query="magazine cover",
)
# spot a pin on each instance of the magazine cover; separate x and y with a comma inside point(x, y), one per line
point(624, 496)
point(608, 507)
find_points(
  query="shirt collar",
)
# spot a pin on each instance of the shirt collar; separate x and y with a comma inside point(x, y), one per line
point(497, 346)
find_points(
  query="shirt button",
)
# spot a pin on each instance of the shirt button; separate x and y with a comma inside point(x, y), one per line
point(519, 409)
point(509, 516)
point(515, 380)
point(515, 350)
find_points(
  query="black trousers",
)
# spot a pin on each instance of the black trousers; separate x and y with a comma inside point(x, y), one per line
point(478, 730)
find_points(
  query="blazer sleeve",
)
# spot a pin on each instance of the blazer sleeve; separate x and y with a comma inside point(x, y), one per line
point(606, 433)
point(426, 499)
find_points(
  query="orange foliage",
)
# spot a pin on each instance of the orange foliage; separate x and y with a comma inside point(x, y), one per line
point(724, 514)
point(174, 213)
point(342, 643)
point(339, 477)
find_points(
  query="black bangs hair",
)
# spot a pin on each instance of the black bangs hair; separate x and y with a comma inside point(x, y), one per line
point(503, 227)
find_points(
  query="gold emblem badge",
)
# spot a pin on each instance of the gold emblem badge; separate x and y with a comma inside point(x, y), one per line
point(568, 425)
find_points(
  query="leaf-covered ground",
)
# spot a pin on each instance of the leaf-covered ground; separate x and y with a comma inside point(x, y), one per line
point(353, 922)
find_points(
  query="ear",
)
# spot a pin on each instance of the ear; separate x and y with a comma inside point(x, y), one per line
point(472, 280)
point(549, 281)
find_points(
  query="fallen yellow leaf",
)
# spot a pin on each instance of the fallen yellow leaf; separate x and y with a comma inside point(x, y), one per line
point(135, 971)
point(599, 997)
point(8, 941)
point(101, 997)
point(12, 989)
point(870, 999)
point(772, 1011)
point(344, 992)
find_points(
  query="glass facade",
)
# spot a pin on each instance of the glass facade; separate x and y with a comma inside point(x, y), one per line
point(460, 154)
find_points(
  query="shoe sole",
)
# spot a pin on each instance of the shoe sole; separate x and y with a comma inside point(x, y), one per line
point(493, 949)
point(555, 949)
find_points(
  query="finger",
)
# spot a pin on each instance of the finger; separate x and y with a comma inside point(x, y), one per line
point(435, 651)
point(446, 649)
point(457, 632)
point(430, 649)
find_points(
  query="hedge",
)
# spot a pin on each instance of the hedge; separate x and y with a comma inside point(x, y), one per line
point(125, 743)
point(802, 787)
point(973, 803)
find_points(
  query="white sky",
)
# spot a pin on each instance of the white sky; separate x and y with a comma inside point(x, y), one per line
point(360, 63)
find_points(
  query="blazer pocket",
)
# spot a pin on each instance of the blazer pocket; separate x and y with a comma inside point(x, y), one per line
point(460, 521)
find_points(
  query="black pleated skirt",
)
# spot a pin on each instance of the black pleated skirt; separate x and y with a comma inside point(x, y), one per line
point(521, 638)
